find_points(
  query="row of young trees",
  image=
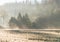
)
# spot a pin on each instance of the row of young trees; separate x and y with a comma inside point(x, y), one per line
point(21, 21)
point(24, 21)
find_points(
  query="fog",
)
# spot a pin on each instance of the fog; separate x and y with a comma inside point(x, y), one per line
point(2, 2)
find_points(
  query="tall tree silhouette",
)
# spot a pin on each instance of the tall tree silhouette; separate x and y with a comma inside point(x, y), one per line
point(19, 19)
point(13, 22)
point(26, 20)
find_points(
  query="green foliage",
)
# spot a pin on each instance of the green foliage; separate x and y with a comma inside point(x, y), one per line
point(26, 21)
point(52, 20)
point(55, 19)
point(19, 18)
point(20, 21)
point(40, 23)
point(13, 21)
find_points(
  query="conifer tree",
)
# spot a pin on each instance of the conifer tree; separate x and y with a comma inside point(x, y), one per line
point(26, 20)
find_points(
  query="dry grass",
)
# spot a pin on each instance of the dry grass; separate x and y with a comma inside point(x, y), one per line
point(34, 36)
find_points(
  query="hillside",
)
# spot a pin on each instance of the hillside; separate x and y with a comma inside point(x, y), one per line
point(34, 11)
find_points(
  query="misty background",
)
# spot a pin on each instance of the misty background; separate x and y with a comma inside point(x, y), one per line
point(36, 14)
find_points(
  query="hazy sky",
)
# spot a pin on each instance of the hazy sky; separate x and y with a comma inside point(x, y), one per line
point(9, 1)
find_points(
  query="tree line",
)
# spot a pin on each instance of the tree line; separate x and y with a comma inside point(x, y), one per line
point(21, 21)
point(39, 23)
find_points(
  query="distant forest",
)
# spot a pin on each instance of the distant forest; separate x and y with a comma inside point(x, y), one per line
point(39, 23)
point(52, 10)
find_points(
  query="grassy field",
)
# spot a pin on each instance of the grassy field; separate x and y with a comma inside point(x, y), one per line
point(29, 36)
